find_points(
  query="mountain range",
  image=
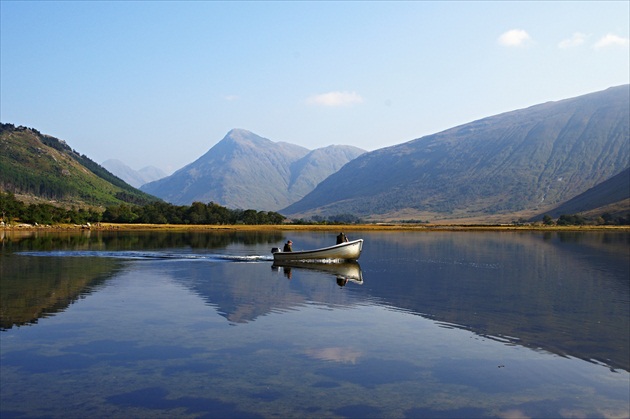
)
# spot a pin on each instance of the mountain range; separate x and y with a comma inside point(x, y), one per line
point(522, 162)
point(244, 170)
point(569, 156)
point(135, 178)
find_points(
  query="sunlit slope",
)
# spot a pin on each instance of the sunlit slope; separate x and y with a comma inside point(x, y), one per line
point(526, 160)
point(41, 166)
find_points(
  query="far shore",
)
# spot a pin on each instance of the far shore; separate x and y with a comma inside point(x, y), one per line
point(311, 227)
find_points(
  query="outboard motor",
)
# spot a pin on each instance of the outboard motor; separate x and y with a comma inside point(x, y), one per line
point(275, 250)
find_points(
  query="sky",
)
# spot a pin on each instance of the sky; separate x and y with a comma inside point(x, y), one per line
point(160, 83)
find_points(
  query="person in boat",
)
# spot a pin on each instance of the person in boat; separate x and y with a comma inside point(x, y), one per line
point(341, 238)
point(288, 246)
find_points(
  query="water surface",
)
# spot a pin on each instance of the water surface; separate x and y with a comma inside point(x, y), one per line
point(427, 324)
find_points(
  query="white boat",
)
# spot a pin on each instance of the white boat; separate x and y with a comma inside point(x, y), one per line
point(345, 251)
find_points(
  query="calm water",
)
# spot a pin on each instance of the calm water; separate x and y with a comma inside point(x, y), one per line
point(439, 324)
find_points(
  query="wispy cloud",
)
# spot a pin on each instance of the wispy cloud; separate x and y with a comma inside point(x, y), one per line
point(514, 38)
point(576, 40)
point(335, 99)
point(612, 40)
point(231, 98)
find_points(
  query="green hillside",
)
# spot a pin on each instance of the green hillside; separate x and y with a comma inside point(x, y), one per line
point(45, 168)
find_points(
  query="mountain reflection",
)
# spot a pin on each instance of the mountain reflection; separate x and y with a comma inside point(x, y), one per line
point(32, 288)
point(242, 292)
point(566, 293)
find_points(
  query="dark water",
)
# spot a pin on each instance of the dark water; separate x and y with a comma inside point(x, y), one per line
point(439, 324)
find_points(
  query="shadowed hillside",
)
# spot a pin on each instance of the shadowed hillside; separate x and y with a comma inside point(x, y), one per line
point(608, 196)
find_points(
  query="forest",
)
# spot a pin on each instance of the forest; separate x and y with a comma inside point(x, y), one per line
point(13, 210)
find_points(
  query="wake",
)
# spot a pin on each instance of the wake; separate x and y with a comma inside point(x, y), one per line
point(144, 255)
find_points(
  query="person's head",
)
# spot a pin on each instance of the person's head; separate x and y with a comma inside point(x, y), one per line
point(289, 242)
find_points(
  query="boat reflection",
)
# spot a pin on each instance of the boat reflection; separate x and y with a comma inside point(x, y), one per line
point(343, 272)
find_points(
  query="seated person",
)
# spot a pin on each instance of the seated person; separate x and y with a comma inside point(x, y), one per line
point(341, 238)
point(288, 246)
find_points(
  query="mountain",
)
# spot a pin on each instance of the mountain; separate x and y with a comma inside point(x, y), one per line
point(611, 196)
point(246, 171)
point(39, 166)
point(135, 178)
point(521, 162)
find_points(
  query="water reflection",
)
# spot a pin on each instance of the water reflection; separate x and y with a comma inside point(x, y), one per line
point(132, 240)
point(32, 288)
point(566, 293)
point(343, 272)
point(455, 324)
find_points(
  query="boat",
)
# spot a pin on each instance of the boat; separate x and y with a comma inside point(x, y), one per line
point(350, 250)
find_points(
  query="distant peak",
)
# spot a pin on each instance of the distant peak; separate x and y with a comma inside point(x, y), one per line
point(242, 136)
point(238, 131)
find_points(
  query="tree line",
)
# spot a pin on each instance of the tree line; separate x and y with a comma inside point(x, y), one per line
point(159, 212)
point(13, 210)
point(197, 213)
point(574, 219)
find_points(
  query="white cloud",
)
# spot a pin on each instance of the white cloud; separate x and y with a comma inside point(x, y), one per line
point(335, 99)
point(576, 40)
point(612, 40)
point(231, 98)
point(514, 38)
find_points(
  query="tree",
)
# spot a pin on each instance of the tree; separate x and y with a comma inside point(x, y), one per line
point(566, 219)
point(198, 213)
point(547, 220)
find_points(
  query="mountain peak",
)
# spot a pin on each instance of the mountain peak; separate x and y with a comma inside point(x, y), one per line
point(240, 134)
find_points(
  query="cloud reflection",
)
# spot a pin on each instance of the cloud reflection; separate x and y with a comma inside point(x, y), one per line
point(335, 354)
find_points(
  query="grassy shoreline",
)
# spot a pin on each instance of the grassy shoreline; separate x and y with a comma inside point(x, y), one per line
point(316, 227)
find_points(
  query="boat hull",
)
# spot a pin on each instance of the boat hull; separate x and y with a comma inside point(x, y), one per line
point(345, 251)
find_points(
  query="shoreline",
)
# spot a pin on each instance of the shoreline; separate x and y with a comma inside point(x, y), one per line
point(306, 227)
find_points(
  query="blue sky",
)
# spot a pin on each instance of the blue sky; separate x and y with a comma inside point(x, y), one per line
point(159, 83)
